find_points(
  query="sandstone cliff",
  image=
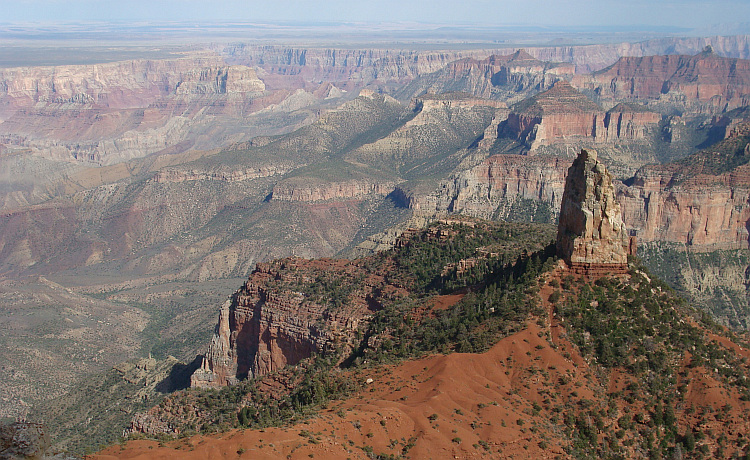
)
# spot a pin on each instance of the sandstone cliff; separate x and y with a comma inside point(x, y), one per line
point(591, 235)
point(563, 115)
point(287, 311)
point(122, 85)
point(109, 113)
point(509, 77)
point(497, 187)
point(383, 65)
point(629, 122)
point(701, 201)
point(703, 82)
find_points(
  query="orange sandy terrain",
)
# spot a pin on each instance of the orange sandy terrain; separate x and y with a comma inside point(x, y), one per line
point(463, 405)
point(452, 405)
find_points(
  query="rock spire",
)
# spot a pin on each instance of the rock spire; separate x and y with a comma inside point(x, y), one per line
point(591, 236)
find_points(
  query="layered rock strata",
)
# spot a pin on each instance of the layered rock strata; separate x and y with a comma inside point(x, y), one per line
point(705, 81)
point(591, 236)
point(312, 189)
point(563, 115)
point(492, 187)
point(701, 202)
point(279, 318)
point(509, 77)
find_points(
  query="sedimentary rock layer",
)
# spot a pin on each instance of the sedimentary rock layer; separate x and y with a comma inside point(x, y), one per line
point(562, 114)
point(705, 81)
point(278, 318)
point(591, 232)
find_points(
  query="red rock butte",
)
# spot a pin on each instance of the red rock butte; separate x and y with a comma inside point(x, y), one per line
point(591, 236)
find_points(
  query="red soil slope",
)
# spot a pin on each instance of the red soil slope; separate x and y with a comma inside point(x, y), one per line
point(498, 404)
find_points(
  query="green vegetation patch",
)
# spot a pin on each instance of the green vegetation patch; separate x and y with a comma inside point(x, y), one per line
point(641, 328)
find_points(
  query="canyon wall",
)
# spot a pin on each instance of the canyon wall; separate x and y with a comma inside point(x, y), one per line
point(494, 187)
point(122, 85)
point(705, 212)
point(702, 214)
point(309, 189)
point(507, 77)
point(563, 115)
point(287, 311)
point(703, 82)
point(109, 113)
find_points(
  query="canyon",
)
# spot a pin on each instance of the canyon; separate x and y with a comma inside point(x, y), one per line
point(672, 203)
point(151, 188)
point(704, 82)
point(290, 309)
point(585, 342)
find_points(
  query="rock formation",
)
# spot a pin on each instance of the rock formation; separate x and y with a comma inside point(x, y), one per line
point(691, 203)
point(108, 113)
point(309, 189)
point(591, 236)
point(558, 115)
point(562, 115)
point(705, 81)
point(628, 122)
point(509, 77)
point(495, 186)
point(700, 201)
point(279, 317)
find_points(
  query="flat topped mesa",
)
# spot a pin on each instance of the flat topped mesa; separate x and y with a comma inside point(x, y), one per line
point(591, 236)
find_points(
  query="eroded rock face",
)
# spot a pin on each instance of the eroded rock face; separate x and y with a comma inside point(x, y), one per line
point(705, 81)
point(108, 113)
point(312, 189)
point(705, 212)
point(280, 317)
point(591, 234)
point(260, 330)
point(495, 186)
point(563, 115)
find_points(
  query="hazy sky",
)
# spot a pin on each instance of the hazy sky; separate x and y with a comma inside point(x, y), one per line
point(681, 13)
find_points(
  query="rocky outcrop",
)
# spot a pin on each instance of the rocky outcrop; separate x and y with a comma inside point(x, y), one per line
point(309, 189)
point(591, 235)
point(628, 122)
point(220, 80)
point(496, 186)
point(562, 115)
point(509, 77)
point(283, 314)
point(705, 82)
